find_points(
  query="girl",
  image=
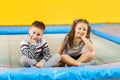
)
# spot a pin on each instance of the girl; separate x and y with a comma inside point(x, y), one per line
point(77, 46)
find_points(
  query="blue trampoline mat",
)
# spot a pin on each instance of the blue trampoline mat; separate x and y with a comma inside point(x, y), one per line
point(100, 72)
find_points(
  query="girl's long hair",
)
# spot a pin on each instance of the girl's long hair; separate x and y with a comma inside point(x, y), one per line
point(70, 36)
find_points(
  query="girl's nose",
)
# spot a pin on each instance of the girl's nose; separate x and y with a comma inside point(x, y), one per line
point(81, 30)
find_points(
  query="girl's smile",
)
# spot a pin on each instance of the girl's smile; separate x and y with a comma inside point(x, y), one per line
point(81, 30)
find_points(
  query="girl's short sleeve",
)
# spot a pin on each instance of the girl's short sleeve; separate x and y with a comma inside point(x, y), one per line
point(65, 40)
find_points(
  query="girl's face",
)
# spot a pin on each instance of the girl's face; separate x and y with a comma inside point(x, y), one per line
point(81, 30)
point(35, 33)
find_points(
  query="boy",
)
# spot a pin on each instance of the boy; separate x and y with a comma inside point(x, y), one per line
point(34, 49)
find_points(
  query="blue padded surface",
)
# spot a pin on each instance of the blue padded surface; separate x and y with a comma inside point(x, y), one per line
point(68, 73)
point(8, 30)
point(106, 36)
point(108, 32)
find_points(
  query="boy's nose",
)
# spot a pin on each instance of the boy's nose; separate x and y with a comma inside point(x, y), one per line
point(34, 35)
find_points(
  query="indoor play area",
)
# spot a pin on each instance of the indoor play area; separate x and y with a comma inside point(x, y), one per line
point(16, 18)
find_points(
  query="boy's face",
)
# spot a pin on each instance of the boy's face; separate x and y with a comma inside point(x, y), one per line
point(35, 33)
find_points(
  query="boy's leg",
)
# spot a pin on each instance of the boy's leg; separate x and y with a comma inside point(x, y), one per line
point(26, 62)
point(52, 61)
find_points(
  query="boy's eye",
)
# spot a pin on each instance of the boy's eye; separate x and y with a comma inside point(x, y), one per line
point(33, 32)
point(38, 34)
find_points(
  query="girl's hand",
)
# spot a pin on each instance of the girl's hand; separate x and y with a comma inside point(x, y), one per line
point(83, 37)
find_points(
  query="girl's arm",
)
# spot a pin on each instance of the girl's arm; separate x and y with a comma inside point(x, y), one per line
point(62, 47)
point(88, 44)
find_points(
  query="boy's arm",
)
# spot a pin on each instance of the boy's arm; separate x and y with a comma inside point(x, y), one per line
point(26, 50)
point(46, 53)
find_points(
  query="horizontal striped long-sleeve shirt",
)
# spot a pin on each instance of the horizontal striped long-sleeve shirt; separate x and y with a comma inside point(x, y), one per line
point(35, 50)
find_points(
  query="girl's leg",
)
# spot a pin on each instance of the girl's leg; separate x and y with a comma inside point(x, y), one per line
point(26, 62)
point(86, 57)
point(69, 60)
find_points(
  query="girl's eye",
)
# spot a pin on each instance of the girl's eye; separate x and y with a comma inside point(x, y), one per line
point(79, 28)
point(84, 29)
point(38, 34)
point(33, 32)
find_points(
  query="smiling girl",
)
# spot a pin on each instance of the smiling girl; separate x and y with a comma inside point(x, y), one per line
point(77, 48)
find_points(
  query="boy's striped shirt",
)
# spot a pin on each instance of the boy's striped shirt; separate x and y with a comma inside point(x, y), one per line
point(34, 50)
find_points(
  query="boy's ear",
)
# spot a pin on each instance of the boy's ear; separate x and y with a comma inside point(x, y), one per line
point(29, 30)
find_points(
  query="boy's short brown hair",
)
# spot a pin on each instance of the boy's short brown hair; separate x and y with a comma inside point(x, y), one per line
point(39, 24)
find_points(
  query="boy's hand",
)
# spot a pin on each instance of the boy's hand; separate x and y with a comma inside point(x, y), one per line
point(31, 40)
point(39, 64)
